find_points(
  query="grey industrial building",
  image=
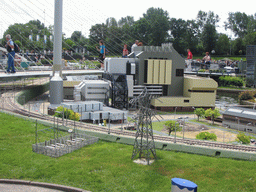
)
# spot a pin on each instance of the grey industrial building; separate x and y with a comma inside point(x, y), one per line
point(251, 63)
point(241, 119)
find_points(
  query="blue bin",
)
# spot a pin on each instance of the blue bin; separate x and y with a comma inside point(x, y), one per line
point(183, 185)
point(24, 64)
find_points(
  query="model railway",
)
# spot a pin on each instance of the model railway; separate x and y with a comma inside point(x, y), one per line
point(9, 105)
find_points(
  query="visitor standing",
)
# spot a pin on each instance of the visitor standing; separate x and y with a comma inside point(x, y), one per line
point(207, 58)
point(190, 56)
point(11, 53)
point(102, 50)
point(140, 44)
point(134, 45)
point(125, 51)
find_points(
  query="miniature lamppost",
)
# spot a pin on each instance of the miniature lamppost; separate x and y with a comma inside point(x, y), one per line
point(175, 132)
point(238, 123)
point(175, 113)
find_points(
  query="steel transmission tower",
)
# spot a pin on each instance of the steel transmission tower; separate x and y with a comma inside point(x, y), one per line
point(144, 144)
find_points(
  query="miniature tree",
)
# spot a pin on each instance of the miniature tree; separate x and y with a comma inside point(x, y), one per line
point(212, 113)
point(200, 112)
point(171, 126)
point(68, 113)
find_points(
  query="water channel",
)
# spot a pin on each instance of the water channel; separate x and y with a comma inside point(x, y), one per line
point(226, 99)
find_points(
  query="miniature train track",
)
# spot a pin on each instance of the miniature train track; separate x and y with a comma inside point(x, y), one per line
point(8, 104)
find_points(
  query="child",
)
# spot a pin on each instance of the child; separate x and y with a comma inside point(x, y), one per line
point(125, 51)
point(102, 51)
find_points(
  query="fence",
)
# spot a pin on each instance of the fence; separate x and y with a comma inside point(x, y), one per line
point(61, 146)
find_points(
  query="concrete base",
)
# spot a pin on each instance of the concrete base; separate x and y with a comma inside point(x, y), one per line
point(143, 161)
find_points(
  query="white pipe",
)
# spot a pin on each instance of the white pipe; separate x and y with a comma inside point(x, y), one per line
point(57, 48)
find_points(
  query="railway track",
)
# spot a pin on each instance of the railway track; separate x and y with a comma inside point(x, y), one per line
point(8, 104)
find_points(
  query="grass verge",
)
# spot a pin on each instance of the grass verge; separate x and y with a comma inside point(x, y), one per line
point(106, 166)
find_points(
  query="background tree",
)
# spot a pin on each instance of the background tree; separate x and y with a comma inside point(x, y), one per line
point(113, 39)
point(204, 18)
point(154, 28)
point(111, 22)
point(250, 39)
point(97, 32)
point(126, 25)
point(126, 21)
point(209, 37)
point(141, 30)
point(21, 32)
point(170, 126)
point(239, 46)
point(207, 32)
point(68, 44)
point(222, 45)
point(76, 36)
point(178, 28)
point(156, 23)
point(238, 23)
point(200, 112)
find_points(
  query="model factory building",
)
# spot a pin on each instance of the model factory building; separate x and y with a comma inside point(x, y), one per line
point(160, 69)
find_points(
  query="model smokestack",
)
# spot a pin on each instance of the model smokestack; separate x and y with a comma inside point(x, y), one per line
point(56, 82)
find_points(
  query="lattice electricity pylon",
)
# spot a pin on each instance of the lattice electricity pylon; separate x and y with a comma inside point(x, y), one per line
point(144, 144)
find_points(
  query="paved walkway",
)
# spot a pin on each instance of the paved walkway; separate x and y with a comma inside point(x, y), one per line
point(24, 188)
point(12, 185)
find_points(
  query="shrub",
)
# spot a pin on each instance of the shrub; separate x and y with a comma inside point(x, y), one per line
point(249, 81)
point(206, 136)
point(68, 113)
point(45, 61)
point(201, 70)
point(254, 94)
point(243, 138)
point(245, 95)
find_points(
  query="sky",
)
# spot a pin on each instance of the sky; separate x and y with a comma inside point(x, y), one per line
point(80, 15)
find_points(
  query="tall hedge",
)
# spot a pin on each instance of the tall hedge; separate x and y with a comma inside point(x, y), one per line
point(32, 93)
point(227, 81)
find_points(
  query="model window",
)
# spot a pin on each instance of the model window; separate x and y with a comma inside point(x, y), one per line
point(186, 101)
point(179, 72)
point(200, 91)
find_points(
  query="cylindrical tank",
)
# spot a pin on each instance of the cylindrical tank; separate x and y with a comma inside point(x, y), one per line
point(183, 185)
point(56, 89)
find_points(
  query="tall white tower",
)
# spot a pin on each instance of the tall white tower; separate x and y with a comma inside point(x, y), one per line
point(56, 82)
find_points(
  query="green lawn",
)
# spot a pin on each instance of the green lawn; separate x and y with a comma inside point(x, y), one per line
point(106, 166)
point(222, 57)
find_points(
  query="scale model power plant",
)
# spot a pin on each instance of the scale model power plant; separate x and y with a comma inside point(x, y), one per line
point(158, 68)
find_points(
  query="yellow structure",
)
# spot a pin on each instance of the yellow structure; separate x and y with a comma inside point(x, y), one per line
point(70, 83)
point(197, 92)
point(159, 72)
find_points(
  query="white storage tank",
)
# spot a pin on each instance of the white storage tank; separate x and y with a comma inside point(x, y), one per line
point(95, 89)
point(56, 89)
point(120, 66)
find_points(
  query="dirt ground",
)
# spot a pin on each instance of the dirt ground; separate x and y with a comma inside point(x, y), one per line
point(191, 130)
